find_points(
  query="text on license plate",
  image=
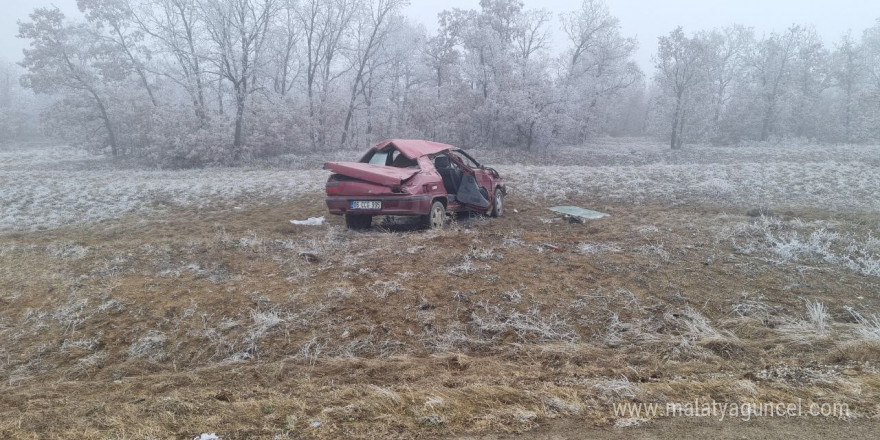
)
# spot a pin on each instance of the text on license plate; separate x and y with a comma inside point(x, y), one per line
point(366, 204)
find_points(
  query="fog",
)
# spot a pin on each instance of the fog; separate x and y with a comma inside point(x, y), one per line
point(225, 81)
point(647, 20)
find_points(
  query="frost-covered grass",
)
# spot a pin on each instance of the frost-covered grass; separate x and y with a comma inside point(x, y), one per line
point(841, 177)
point(48, 188)
point(55, 186)
point(797, 241)
point(827, 185)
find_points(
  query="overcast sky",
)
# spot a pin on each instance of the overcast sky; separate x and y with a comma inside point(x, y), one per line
point(645, 19)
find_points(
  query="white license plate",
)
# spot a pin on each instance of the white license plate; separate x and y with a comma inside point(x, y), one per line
point(366, 204)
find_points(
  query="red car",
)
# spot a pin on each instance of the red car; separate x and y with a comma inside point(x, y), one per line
point(412, 178)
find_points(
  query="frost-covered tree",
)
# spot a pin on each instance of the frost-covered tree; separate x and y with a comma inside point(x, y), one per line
point(67, 58)
point(19, 108)
point(848, 73)
point(373, 24)
point(238, 30)
point(598, 68)
point(681, 73)
point(869, 118)
point(178, 35)
point(773, 67)
point(727, 56)
point(326, 27)
point(114, 20)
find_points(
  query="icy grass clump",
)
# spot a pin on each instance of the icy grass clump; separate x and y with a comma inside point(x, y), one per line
point(798, 241)
point(467, 267)
point(149, 347)
point(384, 288)
point(493, 320)
point(597, 248)
point(868, 326)
point(816, 325)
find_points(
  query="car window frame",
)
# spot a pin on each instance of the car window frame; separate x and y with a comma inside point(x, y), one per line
point(468, 157)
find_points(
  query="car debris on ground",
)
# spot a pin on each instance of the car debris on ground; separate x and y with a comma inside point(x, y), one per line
point(577, 214)
point(311, 221)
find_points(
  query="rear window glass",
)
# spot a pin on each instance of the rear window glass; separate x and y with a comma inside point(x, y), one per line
point(391, 158)
point(379, 158)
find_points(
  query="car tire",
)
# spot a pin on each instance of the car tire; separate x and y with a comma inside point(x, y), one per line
point(436, 218)
point(498, 203)
point(358, 221)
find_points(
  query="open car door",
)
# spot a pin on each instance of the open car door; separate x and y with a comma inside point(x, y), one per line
point(470, 191)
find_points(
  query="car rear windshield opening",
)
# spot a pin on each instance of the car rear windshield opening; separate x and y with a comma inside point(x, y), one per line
point(391, 158)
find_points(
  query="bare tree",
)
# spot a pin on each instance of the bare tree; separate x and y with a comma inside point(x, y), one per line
point(441, 55)
point(66, 58)
point(177, 28)
point(371, 31)
point(285, 41)
point(531, 37)
point(117, 17)
point(772, 64)
point(848, 72)
point(238, 29)
point(325, 25)
point(680, 70)
point(598, 64)
point(728, 52)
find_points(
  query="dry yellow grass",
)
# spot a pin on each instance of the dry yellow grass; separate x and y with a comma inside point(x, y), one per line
point(239, 323)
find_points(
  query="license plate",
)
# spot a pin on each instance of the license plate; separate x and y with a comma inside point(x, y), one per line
point(366, 204)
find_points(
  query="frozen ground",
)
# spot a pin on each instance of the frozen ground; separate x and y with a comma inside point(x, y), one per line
point(203, 309)
point(51, 187)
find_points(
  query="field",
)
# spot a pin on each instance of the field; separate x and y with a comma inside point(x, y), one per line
point(147, 304)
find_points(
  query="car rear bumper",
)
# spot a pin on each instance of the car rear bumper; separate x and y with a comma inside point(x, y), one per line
point(393, 205)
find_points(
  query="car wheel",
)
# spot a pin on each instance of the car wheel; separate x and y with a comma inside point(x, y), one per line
point(436, 218)
point(358, 221)
point(498, 203)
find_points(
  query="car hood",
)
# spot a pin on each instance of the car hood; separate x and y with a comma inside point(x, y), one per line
point(383, 175)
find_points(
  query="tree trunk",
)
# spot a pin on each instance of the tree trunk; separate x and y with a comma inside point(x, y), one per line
point(767, 123)
point(681, 119)
point(111, 133)
point(673, 141)
point(239, 117)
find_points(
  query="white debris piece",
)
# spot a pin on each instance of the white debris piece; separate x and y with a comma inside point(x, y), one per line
point(578, 212)
point(210, 436)
point(312, 221)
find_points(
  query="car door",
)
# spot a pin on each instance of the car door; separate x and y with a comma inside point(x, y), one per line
point(482, 177)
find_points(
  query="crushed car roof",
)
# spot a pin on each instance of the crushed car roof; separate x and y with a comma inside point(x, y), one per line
point(414, 148)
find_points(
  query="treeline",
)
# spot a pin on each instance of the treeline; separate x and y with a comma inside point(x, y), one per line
point(727, 86)
point(19, 108)
point(189, 82)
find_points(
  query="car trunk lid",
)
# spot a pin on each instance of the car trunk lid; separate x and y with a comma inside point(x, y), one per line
point(380, 174)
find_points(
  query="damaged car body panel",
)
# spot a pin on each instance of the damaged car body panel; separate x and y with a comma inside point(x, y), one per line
point(412, 178)
point(371, 173)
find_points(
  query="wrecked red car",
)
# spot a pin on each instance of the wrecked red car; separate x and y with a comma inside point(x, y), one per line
point(412, 178)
